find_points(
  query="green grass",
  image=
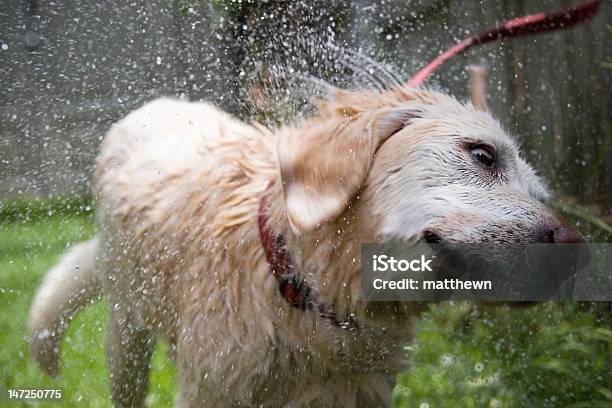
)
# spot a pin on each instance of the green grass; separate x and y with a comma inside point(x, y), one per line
point(29, 246)
point(464, 356)
point(547, 356)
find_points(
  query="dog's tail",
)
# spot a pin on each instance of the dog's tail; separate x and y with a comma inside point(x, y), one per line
point(69, 286)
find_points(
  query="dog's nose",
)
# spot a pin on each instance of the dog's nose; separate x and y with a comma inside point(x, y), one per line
point(561, 234)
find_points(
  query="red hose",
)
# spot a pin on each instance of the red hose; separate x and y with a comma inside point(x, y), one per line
point(531, 24)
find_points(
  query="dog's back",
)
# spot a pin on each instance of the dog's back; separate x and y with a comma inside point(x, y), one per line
point(159, 168)
point(161, 140)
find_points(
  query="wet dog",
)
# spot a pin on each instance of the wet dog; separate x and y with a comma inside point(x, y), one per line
point(240, 246)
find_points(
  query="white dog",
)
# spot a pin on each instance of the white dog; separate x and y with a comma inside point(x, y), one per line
point(241, 246)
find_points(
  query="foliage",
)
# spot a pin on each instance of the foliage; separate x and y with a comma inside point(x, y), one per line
point(31, 241)
point(550, 355)
point(37, 208)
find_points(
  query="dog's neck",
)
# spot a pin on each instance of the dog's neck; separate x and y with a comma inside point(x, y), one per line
point(291, 284)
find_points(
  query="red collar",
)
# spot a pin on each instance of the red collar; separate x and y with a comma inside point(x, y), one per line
point(292, 287)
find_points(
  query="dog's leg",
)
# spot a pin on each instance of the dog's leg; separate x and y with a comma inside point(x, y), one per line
point(129, 352)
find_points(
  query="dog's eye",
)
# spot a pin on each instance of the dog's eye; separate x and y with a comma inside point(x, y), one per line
point(484, 154)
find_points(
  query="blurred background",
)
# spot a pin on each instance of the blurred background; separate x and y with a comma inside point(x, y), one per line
point(69, 69)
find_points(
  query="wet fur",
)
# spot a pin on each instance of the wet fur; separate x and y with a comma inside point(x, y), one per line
point(178, 187)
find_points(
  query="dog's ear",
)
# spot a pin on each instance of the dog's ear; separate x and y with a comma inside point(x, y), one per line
point(324, 164)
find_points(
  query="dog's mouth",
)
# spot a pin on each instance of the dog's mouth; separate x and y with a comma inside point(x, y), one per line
point(432, 238)
point(449, 258)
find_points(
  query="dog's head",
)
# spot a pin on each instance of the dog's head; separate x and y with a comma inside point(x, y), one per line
point(414, 164)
